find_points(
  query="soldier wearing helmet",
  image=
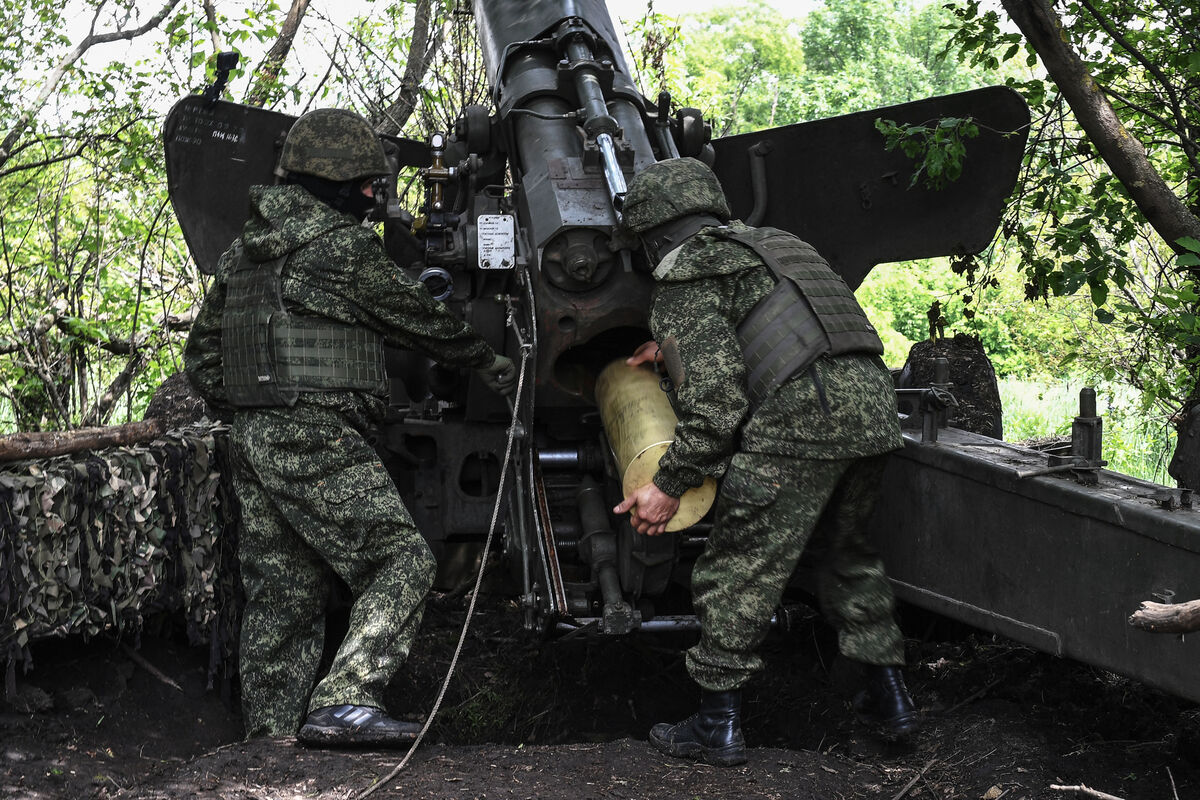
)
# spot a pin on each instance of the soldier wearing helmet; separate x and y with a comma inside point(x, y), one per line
point(288, 346)
point(779, 388)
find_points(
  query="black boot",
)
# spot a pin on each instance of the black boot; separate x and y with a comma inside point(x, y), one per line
point(355, 726)
point(886, 702)
point(712, 735)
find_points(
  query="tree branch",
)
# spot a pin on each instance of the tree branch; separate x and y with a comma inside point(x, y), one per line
point(55, 318)
point(1181, 125)
point(1081, 789)
point(1124, 154)
point(210, 14)
point(51, 82)
point(1167, 617)
point(99, 413)
point(56, 443)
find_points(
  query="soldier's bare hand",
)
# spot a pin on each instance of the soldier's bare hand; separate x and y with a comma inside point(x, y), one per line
point(650, 509)
point(646, 352)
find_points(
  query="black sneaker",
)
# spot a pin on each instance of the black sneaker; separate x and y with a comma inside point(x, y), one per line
point(355, 726)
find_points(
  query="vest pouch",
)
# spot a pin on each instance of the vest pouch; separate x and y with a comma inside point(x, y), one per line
point(252, 302)
point(810, 313)
point(315, 354)
point(247, 360)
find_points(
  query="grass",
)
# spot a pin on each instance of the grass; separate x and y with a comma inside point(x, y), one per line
point(1134, 443)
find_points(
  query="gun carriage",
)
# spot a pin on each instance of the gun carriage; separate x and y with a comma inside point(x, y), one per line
point(518, 233)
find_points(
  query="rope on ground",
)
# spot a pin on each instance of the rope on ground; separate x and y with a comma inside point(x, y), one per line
point(437, 704)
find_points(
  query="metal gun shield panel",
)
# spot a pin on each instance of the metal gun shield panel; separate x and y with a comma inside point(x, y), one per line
point(832, 183)
point(215, 152)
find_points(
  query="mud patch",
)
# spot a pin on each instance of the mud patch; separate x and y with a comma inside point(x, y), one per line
point(568, 721)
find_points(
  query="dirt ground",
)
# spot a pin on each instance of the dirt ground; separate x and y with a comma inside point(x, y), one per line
point(568, 720)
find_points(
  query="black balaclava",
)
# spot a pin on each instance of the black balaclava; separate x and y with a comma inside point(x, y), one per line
point(344, 196)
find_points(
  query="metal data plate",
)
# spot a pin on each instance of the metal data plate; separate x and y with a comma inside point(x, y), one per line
point(497, 241)
point(832, 183)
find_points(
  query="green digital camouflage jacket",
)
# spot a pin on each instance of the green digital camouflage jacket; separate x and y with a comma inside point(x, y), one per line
point(703, 290)
point(339, 270)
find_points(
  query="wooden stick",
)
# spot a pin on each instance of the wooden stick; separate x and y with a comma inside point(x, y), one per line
point(974, 696)
point(55, 443)
point(913, 782)
point(1081, 789)
point(1167, 617)
point(141, 661)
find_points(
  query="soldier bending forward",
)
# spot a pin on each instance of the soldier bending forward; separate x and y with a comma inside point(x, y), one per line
point(778, 385)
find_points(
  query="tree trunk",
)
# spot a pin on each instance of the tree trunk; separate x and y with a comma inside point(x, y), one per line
point(210, 14)
point(420, 54)
point(55, 443)
point(1124, 154)
point(1185, 462)
point(266, 74)
point(1167, 617)
point(99, 413)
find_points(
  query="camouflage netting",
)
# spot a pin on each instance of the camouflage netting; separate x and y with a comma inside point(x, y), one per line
point(101, 540)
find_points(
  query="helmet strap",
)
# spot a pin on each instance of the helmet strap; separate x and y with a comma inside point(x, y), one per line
point(662, 239)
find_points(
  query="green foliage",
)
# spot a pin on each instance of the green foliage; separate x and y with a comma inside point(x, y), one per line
point(898, 298)
point(1071, 226)
point(747, 69)
point(937, 147)
point(737, 65)
point(862, 54)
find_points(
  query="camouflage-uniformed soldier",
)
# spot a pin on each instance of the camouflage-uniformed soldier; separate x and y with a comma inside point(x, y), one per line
point(289, 346)
point(778, 386)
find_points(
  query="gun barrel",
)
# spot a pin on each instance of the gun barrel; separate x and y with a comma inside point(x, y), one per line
point(556, 67)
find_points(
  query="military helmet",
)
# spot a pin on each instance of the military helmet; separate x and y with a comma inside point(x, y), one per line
point(334, 144)
point(671, 189)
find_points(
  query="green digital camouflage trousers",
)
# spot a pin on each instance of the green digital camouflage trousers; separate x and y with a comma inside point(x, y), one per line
point(316, 500)
point(768, 509)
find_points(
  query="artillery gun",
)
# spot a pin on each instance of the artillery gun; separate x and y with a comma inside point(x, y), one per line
point(519, 234)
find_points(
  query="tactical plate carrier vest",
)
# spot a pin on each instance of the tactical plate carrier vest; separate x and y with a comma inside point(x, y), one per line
point(810, 313)
point(269, 356)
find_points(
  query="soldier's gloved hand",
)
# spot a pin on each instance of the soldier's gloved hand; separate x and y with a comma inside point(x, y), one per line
point(499, 376)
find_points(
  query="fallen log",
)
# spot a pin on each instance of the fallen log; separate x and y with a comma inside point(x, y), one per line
point(1167, 617)
point(46, 444)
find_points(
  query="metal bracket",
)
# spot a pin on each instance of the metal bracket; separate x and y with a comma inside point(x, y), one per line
point(1087, 435)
